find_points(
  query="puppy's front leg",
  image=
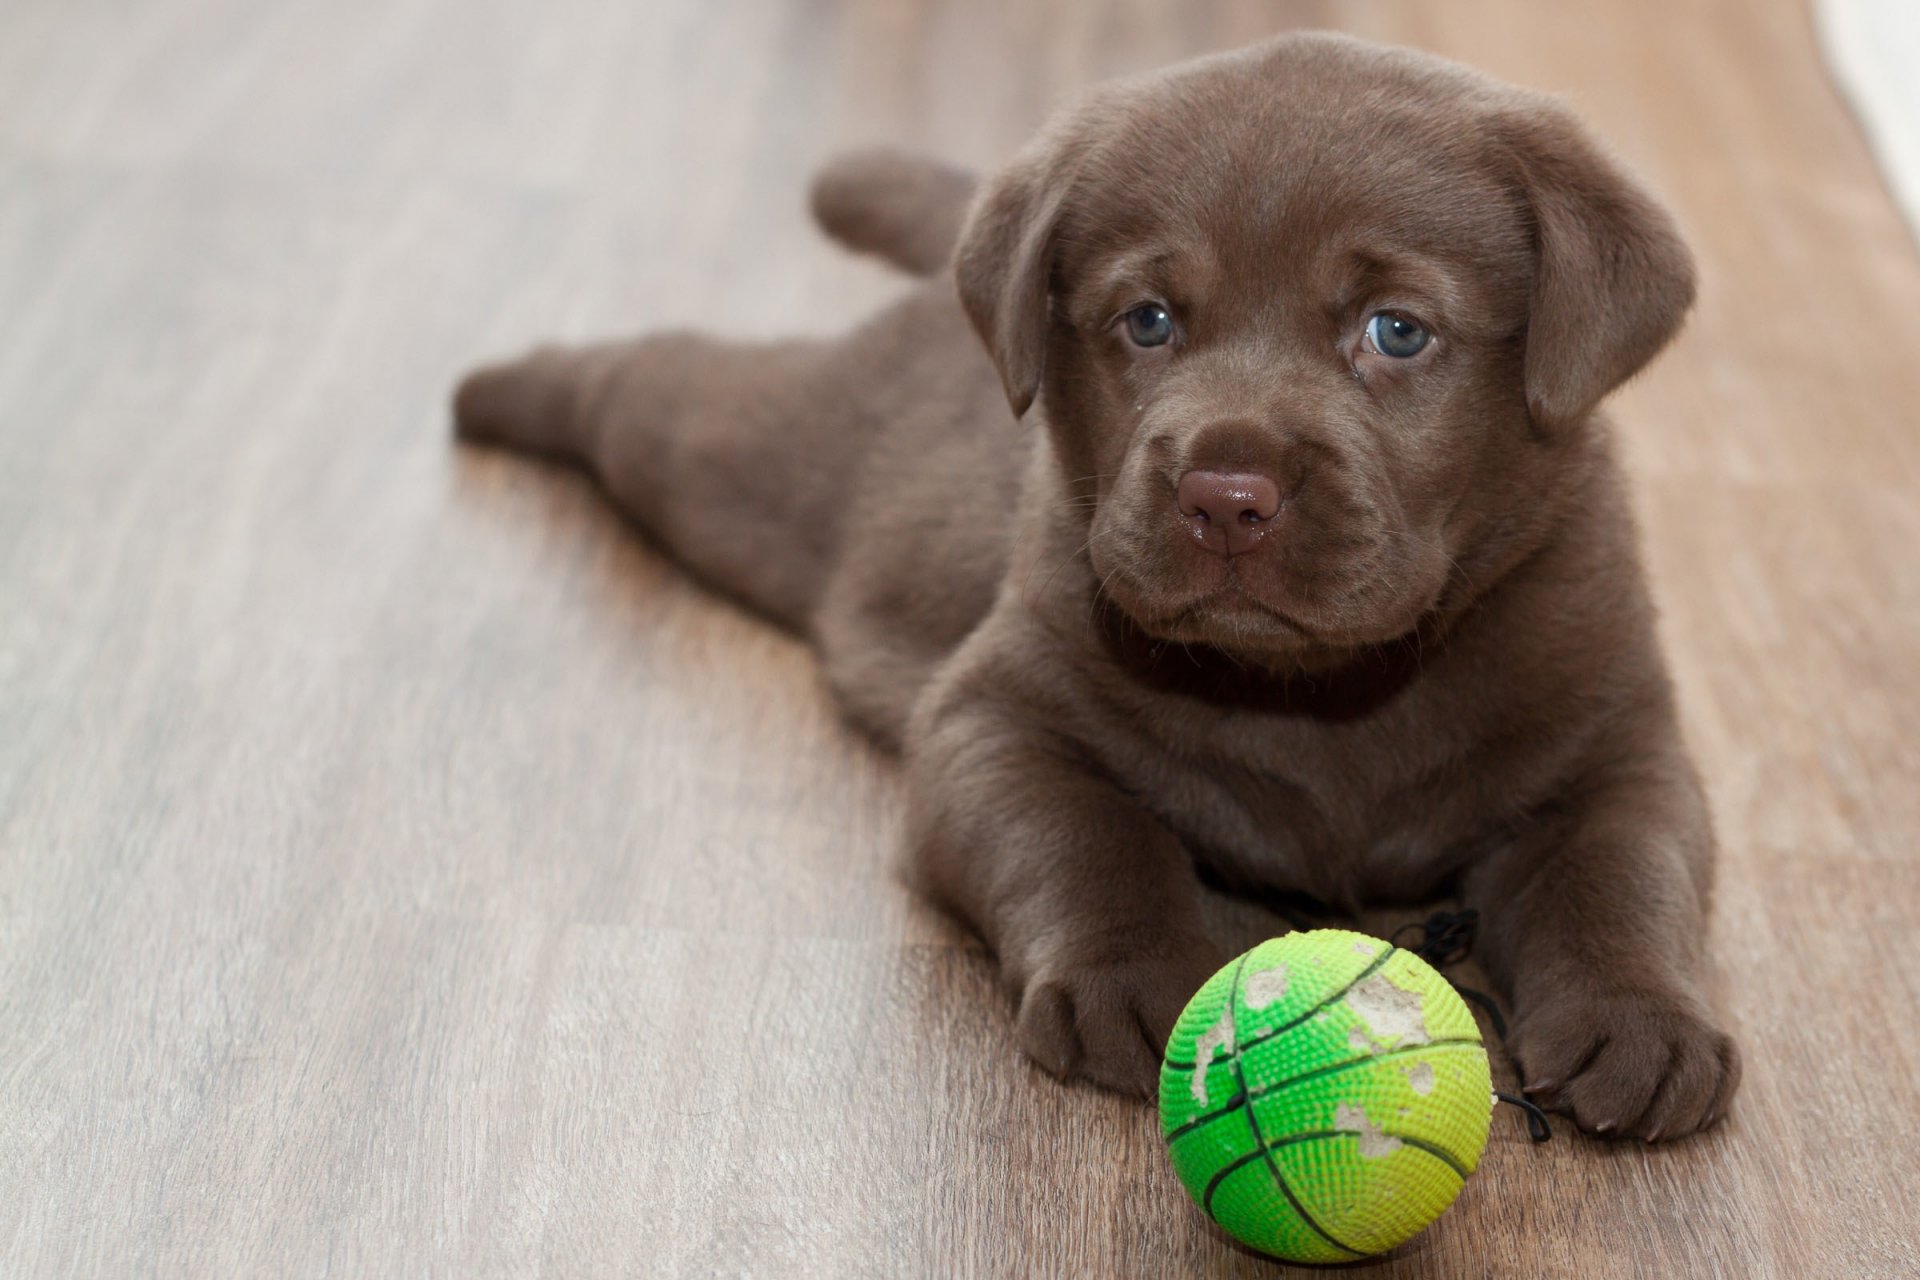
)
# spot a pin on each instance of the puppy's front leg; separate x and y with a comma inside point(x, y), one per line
point(1091, 905)
point(1595, 921)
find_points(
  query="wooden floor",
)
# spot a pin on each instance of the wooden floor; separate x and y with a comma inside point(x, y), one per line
point(403, 870)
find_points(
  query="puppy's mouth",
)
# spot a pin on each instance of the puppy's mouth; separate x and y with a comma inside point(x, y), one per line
point(1222, 611)
point(1232, 602)
point(1228, 615)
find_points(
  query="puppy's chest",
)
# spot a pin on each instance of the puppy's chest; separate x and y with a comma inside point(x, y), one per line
point(1342, 811)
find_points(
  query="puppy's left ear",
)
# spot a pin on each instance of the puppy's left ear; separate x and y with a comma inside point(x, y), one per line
point(1612, 277)
point(1004, 263)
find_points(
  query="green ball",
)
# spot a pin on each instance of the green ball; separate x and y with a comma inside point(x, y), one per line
point(1325, 1096)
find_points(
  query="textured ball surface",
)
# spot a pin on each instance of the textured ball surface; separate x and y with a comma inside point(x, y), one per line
point(1325, 1096)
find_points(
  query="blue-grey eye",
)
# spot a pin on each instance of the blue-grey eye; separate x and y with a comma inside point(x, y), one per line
point(1393, 334)
point(1149, 325)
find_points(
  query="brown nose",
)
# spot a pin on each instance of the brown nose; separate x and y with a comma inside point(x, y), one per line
point(1228, 511)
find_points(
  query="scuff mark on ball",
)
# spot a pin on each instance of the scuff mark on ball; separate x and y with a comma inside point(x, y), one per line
point(1420, 1077)
point(1215, 1038)
point(1265, 987)
point(1394, 1016)
point(1348, 1118)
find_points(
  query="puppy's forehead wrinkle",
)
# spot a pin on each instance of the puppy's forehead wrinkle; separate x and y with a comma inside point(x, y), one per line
point(1409, 276)
point(1161, 272)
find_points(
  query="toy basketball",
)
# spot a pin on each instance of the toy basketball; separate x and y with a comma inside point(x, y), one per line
point(1325, 1096)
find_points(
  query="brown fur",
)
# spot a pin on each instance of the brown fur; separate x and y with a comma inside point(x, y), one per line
point(1437, 672)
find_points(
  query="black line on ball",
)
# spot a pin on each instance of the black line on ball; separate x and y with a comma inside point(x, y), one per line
point(1253, 1121)
point(1213, 1184)
point(1418, 1144)
point(1267, 1089)
point(1206, 1198)
point(1287, 1026)
point(1233, 1104)
point(1437, 1152)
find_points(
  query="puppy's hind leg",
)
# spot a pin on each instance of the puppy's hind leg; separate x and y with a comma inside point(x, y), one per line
point(730, 455)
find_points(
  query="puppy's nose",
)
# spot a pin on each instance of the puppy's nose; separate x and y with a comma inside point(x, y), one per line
point(1229, 511)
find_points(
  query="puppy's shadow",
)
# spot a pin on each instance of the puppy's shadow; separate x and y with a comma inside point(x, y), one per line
point(1239, 921)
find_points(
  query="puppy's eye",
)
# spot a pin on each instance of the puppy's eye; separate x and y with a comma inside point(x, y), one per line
point(1393, 334)
point(1149, 325)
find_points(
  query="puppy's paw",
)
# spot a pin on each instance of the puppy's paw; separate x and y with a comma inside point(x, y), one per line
point(1627, 1064)
point(1108, 1021)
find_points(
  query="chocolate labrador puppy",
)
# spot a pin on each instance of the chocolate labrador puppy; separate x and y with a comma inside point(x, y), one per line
point(1301, 560)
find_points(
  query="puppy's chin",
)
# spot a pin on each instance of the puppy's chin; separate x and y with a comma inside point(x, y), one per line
point(1282, 635)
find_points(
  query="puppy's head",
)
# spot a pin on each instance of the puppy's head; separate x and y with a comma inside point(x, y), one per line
point(1317, 327)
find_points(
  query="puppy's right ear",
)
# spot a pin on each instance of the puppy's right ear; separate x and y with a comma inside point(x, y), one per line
point(1004, 266)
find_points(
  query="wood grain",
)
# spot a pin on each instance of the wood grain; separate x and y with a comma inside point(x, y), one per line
point(404, 870)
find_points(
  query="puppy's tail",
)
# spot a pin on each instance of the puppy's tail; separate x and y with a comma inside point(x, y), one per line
point(902, 207)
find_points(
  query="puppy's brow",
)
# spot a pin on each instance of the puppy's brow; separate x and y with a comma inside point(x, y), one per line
point(1152, 269)
point(1412, 277)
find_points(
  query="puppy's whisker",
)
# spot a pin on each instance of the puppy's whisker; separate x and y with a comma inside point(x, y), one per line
point(1082, 549)
point(1455, 567)
point(1099, 594)
point(1095, 480)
